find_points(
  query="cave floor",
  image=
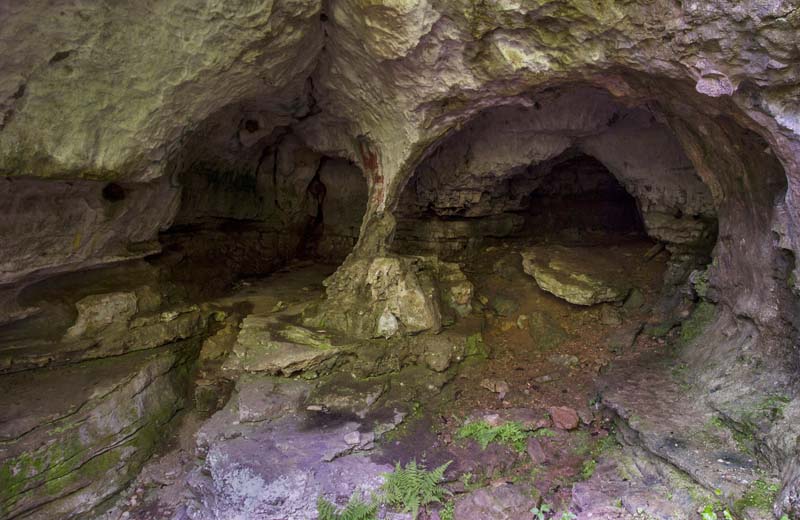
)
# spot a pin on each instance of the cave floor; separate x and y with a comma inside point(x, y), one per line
point(540, 362)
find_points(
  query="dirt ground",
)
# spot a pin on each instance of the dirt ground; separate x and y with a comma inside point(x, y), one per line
point(538, 377)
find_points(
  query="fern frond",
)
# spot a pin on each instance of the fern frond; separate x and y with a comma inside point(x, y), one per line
point(356, 509)
point(411, 487)
point(511, 434)
point(326, 510)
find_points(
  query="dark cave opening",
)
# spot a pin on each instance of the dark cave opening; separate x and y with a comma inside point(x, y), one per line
point(287, 203)
point(580, 195)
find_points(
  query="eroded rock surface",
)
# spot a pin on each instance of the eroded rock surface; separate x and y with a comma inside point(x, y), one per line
point(576, 275)
point(76, 435)
point(264, 345)
point(220, 140)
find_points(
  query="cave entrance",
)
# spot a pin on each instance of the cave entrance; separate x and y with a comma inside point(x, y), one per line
point(268, 207)
point(581, 224)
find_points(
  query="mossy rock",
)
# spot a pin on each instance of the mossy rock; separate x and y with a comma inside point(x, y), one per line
point(701, 317)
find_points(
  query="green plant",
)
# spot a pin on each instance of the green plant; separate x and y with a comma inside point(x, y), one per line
point(588, 469)
point(568, 515)
point(448, 511)
point(772, 406)
point(511, 434)
point(709, 513)
point(759, 495)
point(412, 487)
point(543, 432)
point(356, 509)
point(701, 284)
point(539, 512)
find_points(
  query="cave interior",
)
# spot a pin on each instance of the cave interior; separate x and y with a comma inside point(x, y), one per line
point(571, 296)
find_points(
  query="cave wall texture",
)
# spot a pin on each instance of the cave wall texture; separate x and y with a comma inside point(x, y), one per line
point(110, 112)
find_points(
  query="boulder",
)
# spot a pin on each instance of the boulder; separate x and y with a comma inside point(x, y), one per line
point(393, 295)
point(275, 470)
point(260, 398)
point(576, 274)
point(98, 311)
point(265, 345)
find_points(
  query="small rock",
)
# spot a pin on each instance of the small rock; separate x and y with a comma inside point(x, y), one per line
point(506, 325)
point(502, 502)
point(440, 352)
point(634, 301)
point(504, 305)
point(536, 452)
point(586, 416)
point(564, 418)
point(99, 311)
point(509, 267)
point(610, 315)
point(352, 438)
point(493, 419)
point(387, 324)
point(653, 251)
point(522, 322)
point(566, 360)
point(497, 386)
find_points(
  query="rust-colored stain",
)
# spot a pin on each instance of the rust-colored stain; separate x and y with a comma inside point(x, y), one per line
point(369, 159)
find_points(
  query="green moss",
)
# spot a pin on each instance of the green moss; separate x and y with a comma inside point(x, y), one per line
point(660, 330)
point(772, 406)
point(77, 454)
point(582, 442)
point(588, 469)
point(760, 495)
point(701, 316)
point(745, 440)
point(94, 470)
point(476, 346)
point(701, 284)
point(306, 337)
point(594, 451)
